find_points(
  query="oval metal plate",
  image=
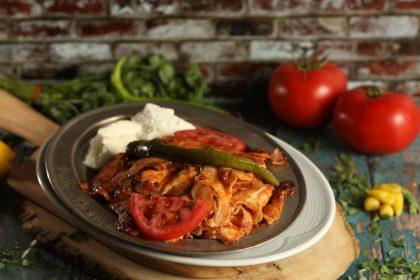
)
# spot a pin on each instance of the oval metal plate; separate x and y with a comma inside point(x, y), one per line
point(65, 171)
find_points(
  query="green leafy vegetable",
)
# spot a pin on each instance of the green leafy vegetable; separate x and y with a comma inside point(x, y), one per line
point(17, 256)
point(395, 268)
point(62, 101)
point(313, 144)
point(134, 78)
point(348, 184)
point(398, 242)
point(375, 228)
point(138, 78)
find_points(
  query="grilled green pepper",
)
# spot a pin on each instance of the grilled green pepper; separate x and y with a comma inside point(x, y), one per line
point(139, 149)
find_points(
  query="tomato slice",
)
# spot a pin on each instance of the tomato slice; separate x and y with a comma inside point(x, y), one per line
point(166, 218)
point(213, 138)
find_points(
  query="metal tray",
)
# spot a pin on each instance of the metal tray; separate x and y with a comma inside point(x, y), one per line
point(64, 170)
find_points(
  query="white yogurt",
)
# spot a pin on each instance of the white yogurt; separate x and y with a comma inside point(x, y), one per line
point(153, 122)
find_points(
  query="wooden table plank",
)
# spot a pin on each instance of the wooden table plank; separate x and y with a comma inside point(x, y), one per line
point(401, 167)
point(47, 266)
point(325, 158)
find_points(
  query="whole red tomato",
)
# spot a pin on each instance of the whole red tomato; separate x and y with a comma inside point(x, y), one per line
point(304, 94)
point(377, 121)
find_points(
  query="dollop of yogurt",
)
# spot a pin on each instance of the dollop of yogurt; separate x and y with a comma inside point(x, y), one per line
point(153, 122)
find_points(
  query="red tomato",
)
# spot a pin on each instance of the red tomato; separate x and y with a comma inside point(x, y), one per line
point(166, 218)
point(376, 121)
point(305, 95)
point(213, 138)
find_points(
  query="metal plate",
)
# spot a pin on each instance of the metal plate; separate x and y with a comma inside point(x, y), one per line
point(63, 164)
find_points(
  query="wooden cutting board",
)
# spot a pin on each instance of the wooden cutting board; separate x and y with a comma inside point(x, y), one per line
point(327, 259)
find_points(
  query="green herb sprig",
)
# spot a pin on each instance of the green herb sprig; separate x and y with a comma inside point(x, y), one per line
point(134, 78)
point(313, 144)
point(348, 184)
point(395, 268)
point(18, 256)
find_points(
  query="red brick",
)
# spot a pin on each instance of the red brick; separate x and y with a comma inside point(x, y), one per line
point(347, 67)
point(229, 89)
point(384, 26)
point(245, 70)
point(314, 27)
point(47, 71)
point(145, 7)
point(278, 50)
point(215, 51)
point(405, 47)
point(406, 5)
point(210, 6)
point(353, 5)
point(282, 6)
point(168, 50)
point(23, 53)
point(179, 28)
point(409, 87)
point(80, 52)
point(207, 71)
point(390, 69)
point(3, 31)
point(41, 29)
point(108, 28)
point(352, 50)
point(248, 27)
point(70, 7)
point(95, 69)
point(20, 8)
point(353, 84)
point(336, 50)
point(7, 69)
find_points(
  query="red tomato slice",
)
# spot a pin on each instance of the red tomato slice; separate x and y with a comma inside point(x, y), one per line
point(166, 218)
point(213, 138)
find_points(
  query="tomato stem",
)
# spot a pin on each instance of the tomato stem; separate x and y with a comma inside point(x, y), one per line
point(373, 92)
point(307, 64)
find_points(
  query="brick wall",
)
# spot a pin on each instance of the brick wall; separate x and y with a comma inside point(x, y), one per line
point(238, 43)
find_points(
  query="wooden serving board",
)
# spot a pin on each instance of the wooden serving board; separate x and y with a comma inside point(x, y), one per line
point(327, 259)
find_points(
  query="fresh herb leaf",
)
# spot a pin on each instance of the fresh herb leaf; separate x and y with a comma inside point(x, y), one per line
point(277, 266)
point(348, 184)
point(372, 265)
point(134, 78)
point(313, 144)
point(364, 252)
point(19, 257)
point(398, 242)
point(375, 228)
point(395, 268)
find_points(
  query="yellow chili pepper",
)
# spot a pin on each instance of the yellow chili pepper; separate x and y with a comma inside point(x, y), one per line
point(386, 211)
point(382, 196)
point(372, 203)
point(391, 188)
point(7, 157)
point(399, 204)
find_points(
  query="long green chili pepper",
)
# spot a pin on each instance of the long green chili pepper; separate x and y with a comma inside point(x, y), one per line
point(139, 149)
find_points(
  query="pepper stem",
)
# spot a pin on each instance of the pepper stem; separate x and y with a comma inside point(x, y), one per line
point(373, 92)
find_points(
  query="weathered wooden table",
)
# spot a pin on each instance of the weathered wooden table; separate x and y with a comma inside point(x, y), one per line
point(403, 168)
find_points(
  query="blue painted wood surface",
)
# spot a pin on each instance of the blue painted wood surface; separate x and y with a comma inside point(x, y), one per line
point(402, 168)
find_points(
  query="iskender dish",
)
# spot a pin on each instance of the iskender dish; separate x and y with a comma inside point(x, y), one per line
point(198, 183)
